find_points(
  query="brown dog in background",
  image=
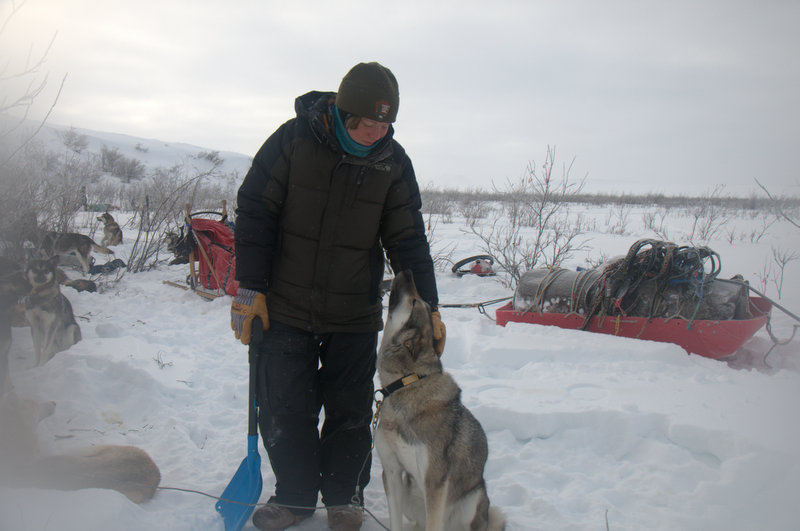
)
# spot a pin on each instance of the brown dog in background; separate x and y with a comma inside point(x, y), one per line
point(72, 244)
point(112, 233)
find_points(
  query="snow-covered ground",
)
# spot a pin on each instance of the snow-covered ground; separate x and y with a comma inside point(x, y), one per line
point(585, 431)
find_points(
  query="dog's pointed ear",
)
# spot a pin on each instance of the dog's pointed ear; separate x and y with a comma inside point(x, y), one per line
point(53, 260)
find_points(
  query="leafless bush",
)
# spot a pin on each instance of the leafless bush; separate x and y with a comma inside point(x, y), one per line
point(22, 83)
point(162, 208)
point(43, 190)
point(765, 275)
point(437, 203)
point(538, 230)
point(708, 219)
point(474, 209)
point(781, 258)
point(441, 257)
point(782, 206)
point(617, 219)
point(126, 168)
point(211, 156)
point(757, 233)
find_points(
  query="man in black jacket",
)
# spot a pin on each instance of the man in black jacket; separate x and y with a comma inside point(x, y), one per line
point(327, 194)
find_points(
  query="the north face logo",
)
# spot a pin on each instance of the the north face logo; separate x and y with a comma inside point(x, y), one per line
point(382, 109)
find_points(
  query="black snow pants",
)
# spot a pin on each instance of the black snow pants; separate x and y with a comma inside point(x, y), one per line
point(299, 373)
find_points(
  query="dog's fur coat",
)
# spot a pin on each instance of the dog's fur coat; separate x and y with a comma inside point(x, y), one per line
point(48, 311)
point(72, 244)
point(432, 449)
point(126, 469)
point(112, 233)
point(179, 245)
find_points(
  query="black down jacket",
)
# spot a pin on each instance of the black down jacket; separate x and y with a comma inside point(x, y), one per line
point(312, 224)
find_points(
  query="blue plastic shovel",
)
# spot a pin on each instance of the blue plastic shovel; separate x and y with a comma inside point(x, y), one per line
point(242, 493)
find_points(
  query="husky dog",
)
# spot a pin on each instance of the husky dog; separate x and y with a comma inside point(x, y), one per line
point(179, 245)
point(112, 234)
point(72, 244)
point(48, 311)
point(432, 449)
point(126, 469)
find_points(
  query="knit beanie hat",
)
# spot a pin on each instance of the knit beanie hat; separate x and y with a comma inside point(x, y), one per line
point(369, 90)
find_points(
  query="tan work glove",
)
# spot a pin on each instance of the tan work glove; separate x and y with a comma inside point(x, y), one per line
point(248, 304)
point(439, 333)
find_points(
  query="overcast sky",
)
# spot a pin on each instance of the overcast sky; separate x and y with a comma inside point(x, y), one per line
point(638, 96)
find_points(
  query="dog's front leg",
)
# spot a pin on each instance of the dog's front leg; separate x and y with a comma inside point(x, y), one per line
point(48, 347)
point(36, 336)
point(392, 475)
point(435, 503)
point(49, 335)
point(393, 485)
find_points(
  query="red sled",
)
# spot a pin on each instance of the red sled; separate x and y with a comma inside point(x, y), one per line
point(213, 250)
point(711, 339)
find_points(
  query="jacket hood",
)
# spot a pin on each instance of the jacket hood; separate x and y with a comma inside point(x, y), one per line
point(315, 106)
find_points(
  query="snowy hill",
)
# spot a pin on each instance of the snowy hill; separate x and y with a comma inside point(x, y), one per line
point(152, 153)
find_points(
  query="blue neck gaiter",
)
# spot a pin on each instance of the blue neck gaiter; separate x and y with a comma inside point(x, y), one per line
point(349, 145)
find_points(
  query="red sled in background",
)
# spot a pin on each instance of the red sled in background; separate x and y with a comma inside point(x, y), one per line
point(658, 291)
point(712, 339)
point(213, 250)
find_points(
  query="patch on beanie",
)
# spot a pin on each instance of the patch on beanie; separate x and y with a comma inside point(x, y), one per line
point(382, 109)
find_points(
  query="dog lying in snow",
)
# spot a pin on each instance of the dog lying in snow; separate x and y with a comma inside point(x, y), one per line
point(126, 469)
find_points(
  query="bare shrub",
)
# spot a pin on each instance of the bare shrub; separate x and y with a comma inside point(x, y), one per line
point(211, 156)
point(781, 258)
point(782, 207)
point(44, 190)
point(126, 168)
point(22, 83)
point(757, 233)
point(708, 218)
point(617, 219)
point(765, 275)
point(538, 230)
point(434, 202)
point(474, 209)
point(161, 208)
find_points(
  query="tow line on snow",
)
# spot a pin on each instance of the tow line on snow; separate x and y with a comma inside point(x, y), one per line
point(481, 306)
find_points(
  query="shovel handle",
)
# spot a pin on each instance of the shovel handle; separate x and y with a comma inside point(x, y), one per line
point(255, 343)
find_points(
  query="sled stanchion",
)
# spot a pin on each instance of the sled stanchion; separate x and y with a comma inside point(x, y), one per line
point(188, 220)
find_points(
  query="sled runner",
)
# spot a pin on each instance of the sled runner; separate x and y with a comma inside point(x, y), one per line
point(659, 291)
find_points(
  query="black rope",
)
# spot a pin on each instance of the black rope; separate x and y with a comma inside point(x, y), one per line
point(661, 262)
